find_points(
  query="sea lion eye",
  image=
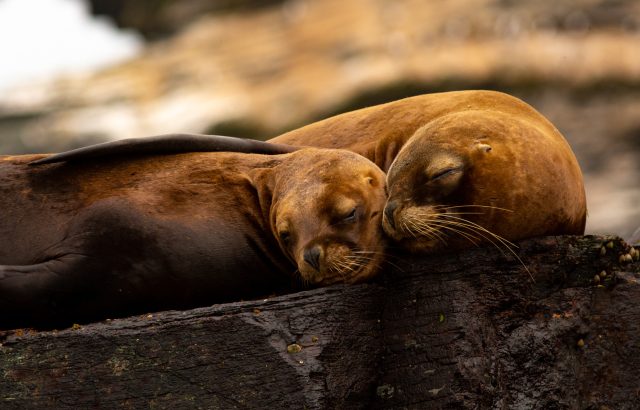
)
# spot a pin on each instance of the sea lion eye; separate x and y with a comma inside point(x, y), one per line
point(444, 173)
point(285, 237)
point(351, 217)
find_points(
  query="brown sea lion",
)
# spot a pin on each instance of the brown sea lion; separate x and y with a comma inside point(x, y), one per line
point(89, 240)
point(463, 167)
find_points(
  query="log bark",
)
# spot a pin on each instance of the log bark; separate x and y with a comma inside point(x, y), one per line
point(469, 330)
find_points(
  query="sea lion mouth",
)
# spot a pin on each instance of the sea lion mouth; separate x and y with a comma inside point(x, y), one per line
point(434, 227)
point(343, 265)
point(414, 223)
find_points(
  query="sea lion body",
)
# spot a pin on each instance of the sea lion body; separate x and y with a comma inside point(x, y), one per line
point(508, 161)
point(87, 241)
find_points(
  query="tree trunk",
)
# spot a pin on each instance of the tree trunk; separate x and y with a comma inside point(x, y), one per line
point(469, 330)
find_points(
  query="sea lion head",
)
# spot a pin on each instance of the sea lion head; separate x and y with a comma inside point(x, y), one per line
point(326, 215)
point(481, 176)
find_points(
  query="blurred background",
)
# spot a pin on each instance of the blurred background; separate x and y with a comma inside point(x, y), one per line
point(74, 72)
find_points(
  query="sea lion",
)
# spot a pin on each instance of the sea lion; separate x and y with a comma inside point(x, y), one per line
point(88, 240)
point(463, 167)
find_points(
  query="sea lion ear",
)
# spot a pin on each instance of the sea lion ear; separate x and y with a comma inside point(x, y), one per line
point(169, 144)
point(263, 181)
point(482, 147)
point(373, 182)
point(386, 151)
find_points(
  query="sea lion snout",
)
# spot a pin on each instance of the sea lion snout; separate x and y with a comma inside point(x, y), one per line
point(389, 211)
point(312, 256)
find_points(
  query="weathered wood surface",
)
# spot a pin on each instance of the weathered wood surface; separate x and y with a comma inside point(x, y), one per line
point(458, 331)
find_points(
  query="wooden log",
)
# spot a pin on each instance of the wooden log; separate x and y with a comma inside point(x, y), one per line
point(470, 330)
point(479, 333)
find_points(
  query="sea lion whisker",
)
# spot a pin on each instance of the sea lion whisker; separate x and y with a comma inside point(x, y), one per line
point(357, 256)
point(430, 222)
point(343, 265)
point(484, 229)
point(342, 271)
point(392, 264)
point(431, 232)
point(480, 231)
point(423, 227)
point(423, 222)
point(368, 248)
point(353, 264)
point(471, 206)
point(499, 238)
point(362, 262)
point(340, 266)
point(384, 258)
point(370, 254)
point(358, 263)
point(366, 253)
point(406, 228)
point(462, 213)
point(471, 238)
point(421, 230)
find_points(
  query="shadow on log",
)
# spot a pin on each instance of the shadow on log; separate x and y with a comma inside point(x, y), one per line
point(458, 331)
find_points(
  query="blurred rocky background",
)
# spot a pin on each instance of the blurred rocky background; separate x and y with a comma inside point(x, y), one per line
point(257, 68)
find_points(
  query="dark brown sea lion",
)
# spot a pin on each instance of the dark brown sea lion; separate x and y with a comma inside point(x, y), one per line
point(463, 167)
point(85, 241)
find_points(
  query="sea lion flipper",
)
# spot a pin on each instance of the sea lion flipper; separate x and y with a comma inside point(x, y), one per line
point(38, 294)
point(168, 144)
point(12, 271)
point(23, 294)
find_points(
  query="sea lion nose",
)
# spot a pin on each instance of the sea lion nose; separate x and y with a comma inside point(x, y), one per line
point(389, 211)
point(312, 256)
